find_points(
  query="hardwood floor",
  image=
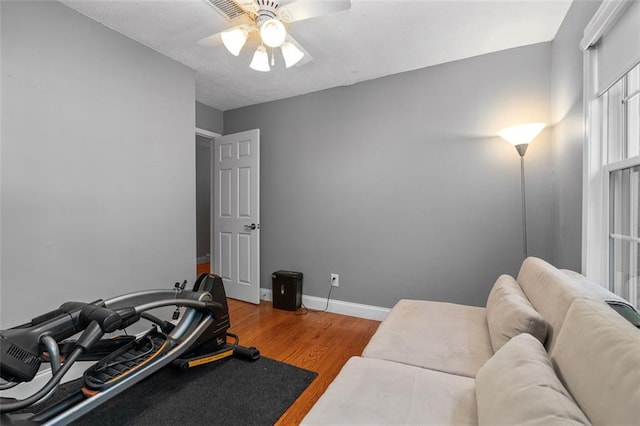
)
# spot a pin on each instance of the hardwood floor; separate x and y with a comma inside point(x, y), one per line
point(320, 342)
point(201, 268)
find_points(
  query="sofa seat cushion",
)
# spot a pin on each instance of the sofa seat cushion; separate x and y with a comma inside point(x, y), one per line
point(436, 335)
point(377, 392)
point(597, 355)
point(519, 386)
point(509, 314)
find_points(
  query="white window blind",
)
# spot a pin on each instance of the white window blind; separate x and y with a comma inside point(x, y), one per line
point(619, 49)
point(614, 33)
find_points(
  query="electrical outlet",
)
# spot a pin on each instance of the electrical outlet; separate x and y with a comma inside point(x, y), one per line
point(335, 280)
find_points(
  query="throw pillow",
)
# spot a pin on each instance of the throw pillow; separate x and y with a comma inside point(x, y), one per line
point(509, 313)
point(518, 386)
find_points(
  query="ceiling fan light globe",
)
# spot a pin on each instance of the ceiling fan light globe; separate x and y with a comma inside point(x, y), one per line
point(273, 33)
point(260, 61)
point(291, 53)
point(234, 40)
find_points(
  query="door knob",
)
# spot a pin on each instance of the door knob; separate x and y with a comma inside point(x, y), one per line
point(250, 227)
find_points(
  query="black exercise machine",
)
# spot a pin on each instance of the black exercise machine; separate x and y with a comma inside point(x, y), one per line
point(199, 337)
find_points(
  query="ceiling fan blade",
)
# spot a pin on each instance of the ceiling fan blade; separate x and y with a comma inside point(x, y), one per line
point(211, 41)
point(248, 6)
point(306, 58)
point(305, 9)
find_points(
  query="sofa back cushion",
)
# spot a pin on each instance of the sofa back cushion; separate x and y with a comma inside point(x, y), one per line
point(509, 313)
point(597, 355)
point(519, 386)
point(550, 291)
point(591, 290)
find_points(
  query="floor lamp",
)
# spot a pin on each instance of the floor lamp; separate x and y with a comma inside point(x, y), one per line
point(521, 136)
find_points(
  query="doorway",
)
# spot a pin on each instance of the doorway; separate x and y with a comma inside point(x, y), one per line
point(203, 163)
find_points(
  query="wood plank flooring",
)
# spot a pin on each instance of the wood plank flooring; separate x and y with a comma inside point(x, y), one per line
point(318, 341)
point(201, 268)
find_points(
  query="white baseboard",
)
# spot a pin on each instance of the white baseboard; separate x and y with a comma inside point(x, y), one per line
point(202, 259)
point(337, 306)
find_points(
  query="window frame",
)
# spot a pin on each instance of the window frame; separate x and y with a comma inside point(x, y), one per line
point(596, 171)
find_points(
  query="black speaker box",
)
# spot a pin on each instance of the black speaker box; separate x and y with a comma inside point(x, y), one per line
point(286, 290)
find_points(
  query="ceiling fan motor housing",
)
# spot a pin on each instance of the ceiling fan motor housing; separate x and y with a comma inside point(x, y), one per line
point(267, 9)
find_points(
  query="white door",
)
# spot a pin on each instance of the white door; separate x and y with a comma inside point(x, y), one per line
point(236, 214)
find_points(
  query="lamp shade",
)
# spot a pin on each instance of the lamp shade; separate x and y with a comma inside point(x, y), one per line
point(291, 53)
point(260, 61)
point(273, 33)
point(522, 133)
point(234, 40)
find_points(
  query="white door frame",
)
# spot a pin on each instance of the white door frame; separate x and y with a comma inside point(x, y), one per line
point(207, 133)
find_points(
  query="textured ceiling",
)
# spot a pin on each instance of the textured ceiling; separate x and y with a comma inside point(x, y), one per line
point(373, 39)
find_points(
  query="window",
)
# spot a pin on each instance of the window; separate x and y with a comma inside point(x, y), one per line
point(621, 127)
point(611, 196)
point(624, 227)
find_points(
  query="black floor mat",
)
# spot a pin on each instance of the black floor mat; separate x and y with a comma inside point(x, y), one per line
point(228, 392)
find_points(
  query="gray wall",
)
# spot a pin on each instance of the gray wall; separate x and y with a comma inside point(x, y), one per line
point(209, 118)
point(568, 134)
point(203, 196)
point(400, 185)
point(97, 164)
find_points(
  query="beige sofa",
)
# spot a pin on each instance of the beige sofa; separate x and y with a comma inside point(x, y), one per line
point(545, 350)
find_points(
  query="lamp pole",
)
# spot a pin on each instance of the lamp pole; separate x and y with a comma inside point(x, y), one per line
point(520, 137)
point(522, 148)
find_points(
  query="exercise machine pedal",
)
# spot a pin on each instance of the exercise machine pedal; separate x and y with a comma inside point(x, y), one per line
point(98, 351)
point(117, 366)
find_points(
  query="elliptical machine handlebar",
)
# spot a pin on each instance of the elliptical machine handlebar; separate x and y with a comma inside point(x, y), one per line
point(21, 347)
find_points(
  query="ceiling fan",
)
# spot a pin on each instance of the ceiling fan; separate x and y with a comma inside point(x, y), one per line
point(267, 18)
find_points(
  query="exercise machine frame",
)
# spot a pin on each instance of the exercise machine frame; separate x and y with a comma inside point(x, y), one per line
point(200, 336)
